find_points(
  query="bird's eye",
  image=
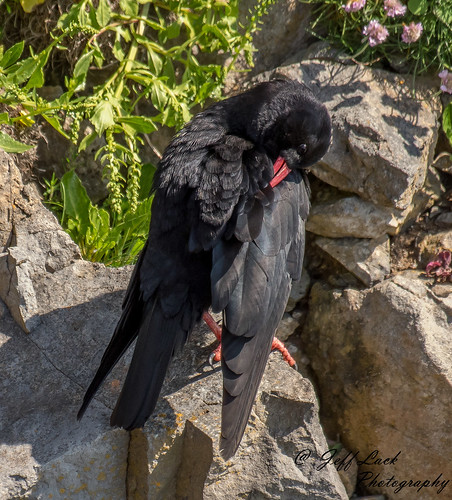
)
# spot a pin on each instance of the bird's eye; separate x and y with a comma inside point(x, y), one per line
point(302, 148)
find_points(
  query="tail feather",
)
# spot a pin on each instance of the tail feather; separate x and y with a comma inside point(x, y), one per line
point(125, 333)
point(237, 408)
point(158, 338)
point(244, 358)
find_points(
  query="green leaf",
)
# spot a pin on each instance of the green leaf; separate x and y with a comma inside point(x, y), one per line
point(139, 123)
point(103, 116)
point(12, 54)
point(447, 121)
point(118, 51)
point(168, 71)
point(83, 17)
point(55, 124)
point(71, 17)
point(86, 141)
point(28, 5)
point(4, 118)
point(210, 28)
point(76, 201)
point(122, 32)
point(443, 12)
point(156, 61)
point(25, 70)
point(158, 97)
point(10, 145)
point(173, 30)
point(100, 223)
point(77, 82)
point(36, 79)
point(129, 7)
point(82, 66)
point(103, 13)
point(98, 57)
point(146, 179)
point(418, 7)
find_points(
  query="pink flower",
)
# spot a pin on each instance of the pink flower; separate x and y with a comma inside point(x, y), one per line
point(351, 6)
point(375, 32)
point(394, 8)
point(440, 268)
point(412, 32)
point(446, 81)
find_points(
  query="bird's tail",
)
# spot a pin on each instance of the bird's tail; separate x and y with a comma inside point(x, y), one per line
point(239, 391)
point(125, 333)
point(159, 338)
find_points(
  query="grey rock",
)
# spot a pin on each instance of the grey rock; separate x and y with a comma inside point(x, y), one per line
point(282, 424)
point(34, 246)
point(385, 378)
point(351, 217)
point(300, 289)
point(443, 161)
point(10, 189)
point(347, 467)
point(367, 259)
point(279, 40)
point(337, 215)
point(371, 497)
point(445, 219)
point(40, 247)
point(44, 451)
point(287, 327)
point(431, 243)
point(284, 34)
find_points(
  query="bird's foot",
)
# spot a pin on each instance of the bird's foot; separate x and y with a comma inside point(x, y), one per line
point(277, 345)
point(215, 356)
point(212, 324)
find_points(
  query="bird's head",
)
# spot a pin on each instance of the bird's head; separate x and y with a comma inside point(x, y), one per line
point(300, 132)
point(303, 137)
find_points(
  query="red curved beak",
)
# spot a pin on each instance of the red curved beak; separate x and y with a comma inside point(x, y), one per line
point(281, 171)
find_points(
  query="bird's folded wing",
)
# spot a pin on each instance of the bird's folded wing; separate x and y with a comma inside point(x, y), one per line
point(251, 280)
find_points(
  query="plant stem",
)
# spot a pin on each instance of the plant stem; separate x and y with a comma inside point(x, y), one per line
point(133, 50)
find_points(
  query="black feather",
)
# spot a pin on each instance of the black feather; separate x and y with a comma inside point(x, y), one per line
point(220, 236)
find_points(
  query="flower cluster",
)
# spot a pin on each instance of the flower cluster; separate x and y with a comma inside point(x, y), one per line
point(412, 32)
point(375, 32)
point(394, 8)
point(440, 267)
point(354, 6)
point(446, 81)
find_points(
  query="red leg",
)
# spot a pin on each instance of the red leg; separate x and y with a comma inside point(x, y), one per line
point(279, 346)
point(216, 354)
point(213, 325)
point(216, 329)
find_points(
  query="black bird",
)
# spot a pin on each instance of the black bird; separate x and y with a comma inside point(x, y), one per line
point(223, 235)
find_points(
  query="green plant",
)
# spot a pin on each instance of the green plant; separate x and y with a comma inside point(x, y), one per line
point(103, 236)
point(152, 49)
point(343, 23)
point(447, 122)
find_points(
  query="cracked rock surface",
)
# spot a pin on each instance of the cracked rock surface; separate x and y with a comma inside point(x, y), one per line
point(385, 378)
point(57, 315)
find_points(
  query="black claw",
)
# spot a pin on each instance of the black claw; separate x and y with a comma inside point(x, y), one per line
point(295, 366)
point(211, 360)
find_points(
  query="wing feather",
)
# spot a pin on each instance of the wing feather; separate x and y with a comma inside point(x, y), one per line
point(252, 281)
